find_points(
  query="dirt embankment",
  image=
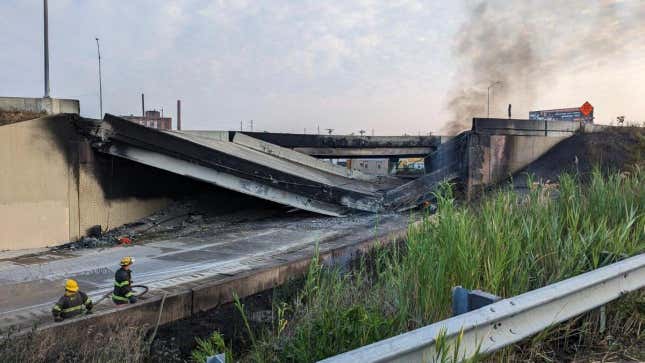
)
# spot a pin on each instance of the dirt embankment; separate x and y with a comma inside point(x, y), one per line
point(617, 148)
point(9, 116)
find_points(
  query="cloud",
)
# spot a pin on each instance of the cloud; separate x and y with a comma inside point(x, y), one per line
point(387, 65)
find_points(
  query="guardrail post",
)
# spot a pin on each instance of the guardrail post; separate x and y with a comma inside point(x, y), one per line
point(220, 358)
point(464, 300)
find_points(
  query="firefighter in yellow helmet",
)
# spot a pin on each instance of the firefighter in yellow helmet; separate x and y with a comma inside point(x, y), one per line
point(122, 293)
point(73, 303)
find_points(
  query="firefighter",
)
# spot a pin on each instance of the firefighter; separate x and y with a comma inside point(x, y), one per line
point(73, 303)
point(122, 293)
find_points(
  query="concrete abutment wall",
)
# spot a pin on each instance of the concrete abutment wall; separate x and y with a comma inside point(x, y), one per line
point(499, 148)
point(53, 185)
point(494, 158)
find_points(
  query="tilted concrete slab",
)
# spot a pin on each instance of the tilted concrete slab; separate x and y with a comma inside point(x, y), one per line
point(224, 180)
point(300, 158)
point(243, 164)
point(300, 169)
point(244, 169)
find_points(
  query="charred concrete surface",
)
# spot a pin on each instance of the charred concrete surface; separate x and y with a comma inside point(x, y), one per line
point(196, 271)
point(495, 149)
point(54, 186)
point(498, 148)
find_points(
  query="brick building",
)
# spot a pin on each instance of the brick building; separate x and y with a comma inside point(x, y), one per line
point(152, 119)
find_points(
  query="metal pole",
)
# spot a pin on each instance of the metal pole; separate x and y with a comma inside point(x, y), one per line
point(46, 35)
point(488, 102)
point(178, 114)
point(98, 50)
point(488, 97)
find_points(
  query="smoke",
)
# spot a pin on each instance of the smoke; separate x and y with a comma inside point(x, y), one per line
point(528, 46)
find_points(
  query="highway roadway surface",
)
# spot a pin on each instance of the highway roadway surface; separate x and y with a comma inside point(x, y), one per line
point(31, 283)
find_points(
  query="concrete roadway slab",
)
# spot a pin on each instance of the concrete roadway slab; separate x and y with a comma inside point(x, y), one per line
point(31, 284)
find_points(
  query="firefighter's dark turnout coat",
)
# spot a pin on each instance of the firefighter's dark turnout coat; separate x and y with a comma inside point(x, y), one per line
point(71, 304)
point(122, 293)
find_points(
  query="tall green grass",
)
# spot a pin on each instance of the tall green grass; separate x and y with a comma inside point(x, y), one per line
point(506, 243)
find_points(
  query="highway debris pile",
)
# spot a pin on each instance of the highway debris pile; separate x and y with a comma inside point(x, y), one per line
point(197, 216)
point(179, 216)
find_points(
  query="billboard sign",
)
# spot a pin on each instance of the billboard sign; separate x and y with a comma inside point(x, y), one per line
point(583, 113)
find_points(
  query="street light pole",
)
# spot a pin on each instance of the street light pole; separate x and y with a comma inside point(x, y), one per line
point(488, 97)
point(46, 36)
point(98, 50)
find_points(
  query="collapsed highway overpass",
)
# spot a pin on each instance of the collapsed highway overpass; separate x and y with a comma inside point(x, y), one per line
point(66, 174)
point(248, 165)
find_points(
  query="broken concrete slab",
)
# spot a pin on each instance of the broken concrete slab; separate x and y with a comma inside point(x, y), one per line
point(247, 166)
point(300, 158)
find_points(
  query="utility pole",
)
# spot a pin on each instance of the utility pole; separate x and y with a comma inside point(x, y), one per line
point(251, 125)
point(178, 115)
point(488, 97)
point(46, 35)
point(98, 50)
point(241, 125)
point(318, 129)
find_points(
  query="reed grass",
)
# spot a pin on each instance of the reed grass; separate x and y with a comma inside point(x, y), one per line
point(506, 243)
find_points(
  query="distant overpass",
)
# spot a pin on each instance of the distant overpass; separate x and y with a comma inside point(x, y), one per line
point(341, 146)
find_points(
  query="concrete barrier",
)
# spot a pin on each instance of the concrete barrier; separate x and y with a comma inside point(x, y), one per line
point(496, 126)
point(50, 106)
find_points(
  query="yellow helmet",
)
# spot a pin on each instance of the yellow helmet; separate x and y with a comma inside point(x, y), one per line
point(127, 260)
point(71, 285)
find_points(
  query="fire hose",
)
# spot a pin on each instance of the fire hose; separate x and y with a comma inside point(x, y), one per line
point(145, 290)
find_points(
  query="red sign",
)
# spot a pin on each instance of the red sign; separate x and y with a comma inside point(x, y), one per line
point(586, 109)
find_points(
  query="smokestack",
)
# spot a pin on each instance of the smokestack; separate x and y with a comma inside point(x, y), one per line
point(143, 106)
point(178, 114)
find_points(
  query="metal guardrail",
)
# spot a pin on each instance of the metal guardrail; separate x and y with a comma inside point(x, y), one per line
point(510, 320)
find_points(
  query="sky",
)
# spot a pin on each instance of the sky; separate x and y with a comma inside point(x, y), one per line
point(392, 67)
